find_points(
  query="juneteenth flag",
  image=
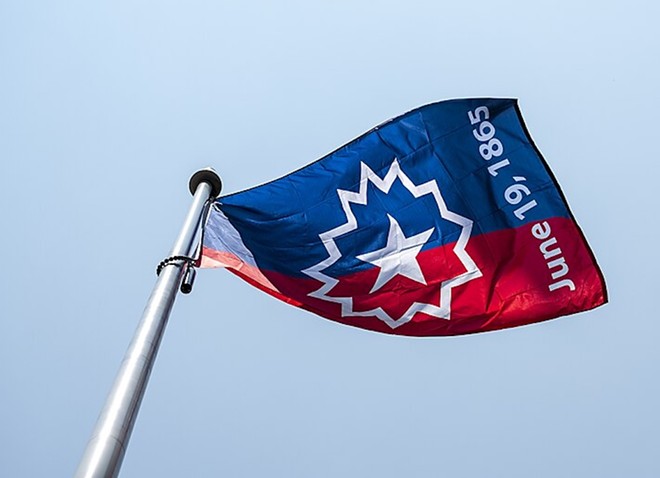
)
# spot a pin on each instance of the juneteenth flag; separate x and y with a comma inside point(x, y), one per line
point(443, 221)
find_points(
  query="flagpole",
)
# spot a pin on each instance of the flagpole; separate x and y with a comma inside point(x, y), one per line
point(106, 448)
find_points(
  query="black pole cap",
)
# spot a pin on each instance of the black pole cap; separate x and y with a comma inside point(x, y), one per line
point(206, 175)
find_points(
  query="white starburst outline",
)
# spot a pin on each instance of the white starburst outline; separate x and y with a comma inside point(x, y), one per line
point(443, 309)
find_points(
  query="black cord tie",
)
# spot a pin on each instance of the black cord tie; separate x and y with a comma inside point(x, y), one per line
point(173, 259)
point(185, 259)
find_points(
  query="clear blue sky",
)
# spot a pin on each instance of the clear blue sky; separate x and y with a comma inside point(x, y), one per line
point(106, 108)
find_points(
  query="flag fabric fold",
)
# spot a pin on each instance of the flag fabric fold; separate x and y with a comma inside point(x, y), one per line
point(443, 221)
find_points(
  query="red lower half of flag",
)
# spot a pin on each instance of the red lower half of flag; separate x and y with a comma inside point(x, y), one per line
point(536, 272)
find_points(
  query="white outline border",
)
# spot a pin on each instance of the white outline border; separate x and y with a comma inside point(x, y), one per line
point(443, 309)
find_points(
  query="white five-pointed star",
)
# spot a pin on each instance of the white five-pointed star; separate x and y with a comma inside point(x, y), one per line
point(399, 256)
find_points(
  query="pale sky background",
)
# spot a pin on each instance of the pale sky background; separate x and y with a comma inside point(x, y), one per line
point(107, 108)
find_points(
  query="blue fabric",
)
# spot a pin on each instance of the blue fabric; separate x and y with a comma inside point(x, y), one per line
point(280, 221)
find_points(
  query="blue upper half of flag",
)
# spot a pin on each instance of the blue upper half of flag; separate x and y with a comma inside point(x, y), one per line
point(477, 151)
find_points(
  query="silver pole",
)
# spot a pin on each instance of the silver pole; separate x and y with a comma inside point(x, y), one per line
point(107, 445)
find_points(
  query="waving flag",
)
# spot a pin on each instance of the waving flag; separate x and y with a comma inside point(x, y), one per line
point(443, 221)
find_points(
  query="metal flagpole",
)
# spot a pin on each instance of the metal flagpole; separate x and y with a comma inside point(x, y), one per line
point(107, 445)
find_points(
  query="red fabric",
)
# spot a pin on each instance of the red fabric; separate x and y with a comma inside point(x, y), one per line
point(513, 290)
